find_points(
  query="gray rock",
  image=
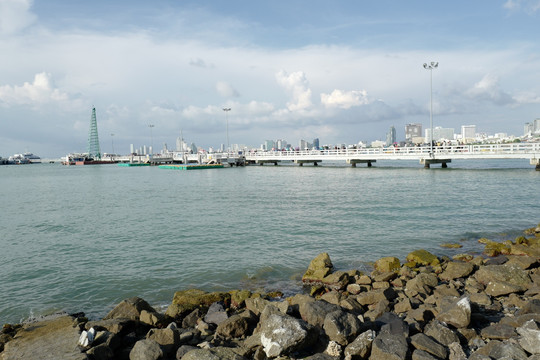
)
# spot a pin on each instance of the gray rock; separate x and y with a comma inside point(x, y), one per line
point(315, 312)
point(168, 339)
point(422, 355)
point(360, 348)
point(183, 350)
point(423, 342)
point(503, 279)
point(191, 319)
point(392, 324)
point(498, 331)
point(375, 296)
point(256, 305)
point(532, 307)
point(456, 352)
point(217, 353)
point(389, 347)
point(146, 350)
point(129, 309)
point(455, 312)
point(456, 269)
point(341, 327)
point(421, 284)
point(216, 314)
point(234, 327)
point(100, 352)
point(530, 337)
point(283, 334)
point(441, 333)
point(498, 349)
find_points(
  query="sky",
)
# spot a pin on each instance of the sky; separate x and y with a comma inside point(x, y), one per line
point(340, 71)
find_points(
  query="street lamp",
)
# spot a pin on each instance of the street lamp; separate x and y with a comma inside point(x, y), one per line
point(430, 67)
point(112, 143)
point(227, 118)
point(151, 139)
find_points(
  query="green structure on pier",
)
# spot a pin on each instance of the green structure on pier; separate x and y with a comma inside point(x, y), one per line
point(93, 139)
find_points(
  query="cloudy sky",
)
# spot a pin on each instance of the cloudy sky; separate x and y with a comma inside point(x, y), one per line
point(342, 71)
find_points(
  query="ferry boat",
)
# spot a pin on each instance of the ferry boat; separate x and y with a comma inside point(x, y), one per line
point(84, 159)
point(25, 158)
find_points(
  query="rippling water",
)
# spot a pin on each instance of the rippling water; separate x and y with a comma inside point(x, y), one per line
point(84, 238)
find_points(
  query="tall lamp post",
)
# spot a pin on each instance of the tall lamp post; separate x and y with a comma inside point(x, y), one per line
point(430, 67)
point(227, 119)
point(112, 143)
point(151, 139)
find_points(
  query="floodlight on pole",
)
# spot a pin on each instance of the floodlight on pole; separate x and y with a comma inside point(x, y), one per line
point(227, 119)
point(430, 67)
point(151, 139)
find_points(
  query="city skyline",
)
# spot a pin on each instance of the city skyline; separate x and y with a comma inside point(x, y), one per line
point(342, 72)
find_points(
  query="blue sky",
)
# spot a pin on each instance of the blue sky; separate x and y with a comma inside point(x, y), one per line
point(343, 71)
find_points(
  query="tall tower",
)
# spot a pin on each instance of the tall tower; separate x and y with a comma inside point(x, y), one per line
point(93, 140)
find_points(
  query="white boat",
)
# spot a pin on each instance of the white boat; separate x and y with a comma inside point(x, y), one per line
point(26, 158)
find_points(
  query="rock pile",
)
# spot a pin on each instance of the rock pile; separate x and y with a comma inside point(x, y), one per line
point(427, 308)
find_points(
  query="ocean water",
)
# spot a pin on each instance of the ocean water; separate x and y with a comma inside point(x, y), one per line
point(83, 238)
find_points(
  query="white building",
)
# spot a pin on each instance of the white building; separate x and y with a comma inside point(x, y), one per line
point(439, 133)
point(413, 131)
point(378, 144)
point(536, 128)
point(468, 133)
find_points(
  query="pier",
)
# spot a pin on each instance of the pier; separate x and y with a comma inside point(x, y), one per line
point(440, 155)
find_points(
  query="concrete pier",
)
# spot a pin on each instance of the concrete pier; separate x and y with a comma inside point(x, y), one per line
point(353, 162)
point(302, 162)
point(536, 162)
point(428, 162)
point(262, 162)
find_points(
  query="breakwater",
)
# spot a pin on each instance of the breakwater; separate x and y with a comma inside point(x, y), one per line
point(427, 307)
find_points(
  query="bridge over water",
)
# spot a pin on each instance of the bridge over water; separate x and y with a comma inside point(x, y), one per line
point(425, 155)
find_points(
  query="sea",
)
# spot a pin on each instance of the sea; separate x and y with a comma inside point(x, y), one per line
point(83, 238)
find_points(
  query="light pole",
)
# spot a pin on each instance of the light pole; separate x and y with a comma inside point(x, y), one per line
point(227, 118)
point(112, 143)
point(151, 139)
point(430, 67)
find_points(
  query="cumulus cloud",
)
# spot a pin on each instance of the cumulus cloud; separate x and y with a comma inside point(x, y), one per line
point(297, 85)
point(488, 89)
point(226, 90)
point(15, 15)
point(344, 99)
point(530, 6)
point(198, 62)
point(40, 91)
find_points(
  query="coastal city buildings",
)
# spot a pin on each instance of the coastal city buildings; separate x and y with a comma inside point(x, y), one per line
point(413, 131)
point(391, 136)
point(468, 133)
point(439, 133)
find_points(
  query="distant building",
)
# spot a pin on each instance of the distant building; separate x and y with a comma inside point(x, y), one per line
point(316, 143)
point(391, 136)
point(377, 144)
point(468, 133)
point(281, 144)
point(440, 133)
point(528, 129)
point(303, 144)
point(269, 145)
point(536, 128)
point(413, 131)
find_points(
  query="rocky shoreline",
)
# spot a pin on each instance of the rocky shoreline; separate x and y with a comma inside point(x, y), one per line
point(465, 307)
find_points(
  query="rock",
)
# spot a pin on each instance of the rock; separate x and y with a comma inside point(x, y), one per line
point(421, 284)
point(387, 264)
point(333, 349)
point(525, 262)
point(360, 348)
point(441, 333)
point(49, 339)
point(354, 289)
point(503, 279)
point(456, 269)
point(493, 248)
point(146, 350)
point(529, 337)
point(256, 305)
point(498, 331)
point(238, 297)
point(168, 339)
point(283, 334)
point(403, 306)
point(375, 296)
point(498, 350)
point(318, 269)
point(422, 257)
point(183, 350)
point(191, 319)
point(532, 307)
point(423, 342)
point(100, 352)
point(463, 257)
point(422, 355)
point(315, 312)
point(341, 327)
point(216, 314)
point(217, 353)
point(451, 245)
point(152, 318)
point(332, 297)
point(234, 327)
point(129, 309)
point(186, 301)
point(456, 352)
point(336, 281)
point(389, 347)
point(454, 311)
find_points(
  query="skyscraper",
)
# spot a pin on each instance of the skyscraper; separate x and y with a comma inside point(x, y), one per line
point(468, 132)
point(93, 140)
point(316, 143)
point(412, 131)
point(391, 136)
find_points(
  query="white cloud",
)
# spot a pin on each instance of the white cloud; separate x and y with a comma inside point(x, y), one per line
point(345, 99)
point(488, 89)
point(40, 91)
point(226, 90)
point(15, 15)
point(529, 6)
point(297, 85)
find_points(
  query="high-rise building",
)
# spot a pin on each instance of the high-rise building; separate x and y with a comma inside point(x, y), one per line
point(303, 144)
point(281, 144)
point(440, 133)
point(269, 145)
point(528, 128)
point(536, 128)
point(468, 132)
point(412, 131)
point(316, 143)
point(391, 136)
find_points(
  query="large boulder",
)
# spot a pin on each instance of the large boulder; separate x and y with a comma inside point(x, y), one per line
point(129, 309)
point(283, 334)
point(423, 342)
point(49, 339)
point(529, 337)
point(217, 353)
point(389, 347)
point(318, 269)
point(315, 312)
point(168, 339)
point(440, 332)
point(234, 327)
point(503, 279)
point(423, 283)
point(387, 264)
point(456, 269)
point(455, 311)
point(146, 349)
point(341, 327)
point(186, 301)
point(422, 258)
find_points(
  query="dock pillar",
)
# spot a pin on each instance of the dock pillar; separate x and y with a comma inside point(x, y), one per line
point(302, 162)
point(353, 162)
point(536, 162)
point(428, 162)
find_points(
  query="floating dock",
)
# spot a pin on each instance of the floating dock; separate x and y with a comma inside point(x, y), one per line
point(191, 167)
point(133, 164)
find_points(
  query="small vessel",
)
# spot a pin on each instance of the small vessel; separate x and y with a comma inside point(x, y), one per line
point(25, 158)
point(84, 159)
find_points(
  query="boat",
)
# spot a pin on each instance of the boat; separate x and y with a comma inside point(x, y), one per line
point(25, 158)
point(84, 159)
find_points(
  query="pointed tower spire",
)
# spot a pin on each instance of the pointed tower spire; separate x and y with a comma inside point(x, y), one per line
point(93, 139)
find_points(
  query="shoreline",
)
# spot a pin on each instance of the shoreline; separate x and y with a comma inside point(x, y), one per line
point(487, 305)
